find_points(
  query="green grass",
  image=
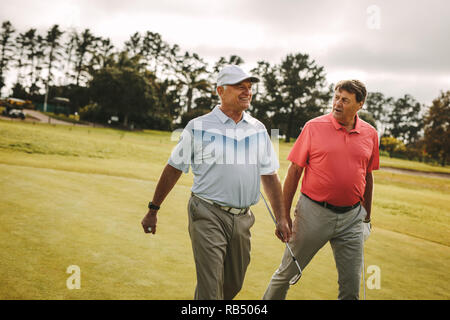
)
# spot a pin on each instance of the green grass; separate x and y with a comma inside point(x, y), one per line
point(65, 118)
point(413, 165)
point(76, 196)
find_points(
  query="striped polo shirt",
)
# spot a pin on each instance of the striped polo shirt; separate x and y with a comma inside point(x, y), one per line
point(227, 158)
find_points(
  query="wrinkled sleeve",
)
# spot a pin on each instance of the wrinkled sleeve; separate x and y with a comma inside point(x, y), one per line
point(374, 162)
point(301, 150)
point(270, 164)
point(182, 155)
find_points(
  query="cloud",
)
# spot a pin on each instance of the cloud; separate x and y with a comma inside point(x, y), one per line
point(411, 42)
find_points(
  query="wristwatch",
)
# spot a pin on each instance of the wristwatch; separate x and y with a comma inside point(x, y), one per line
point(153, 206)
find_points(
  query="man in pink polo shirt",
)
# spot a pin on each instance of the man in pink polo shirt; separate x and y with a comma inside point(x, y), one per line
point(337, 153)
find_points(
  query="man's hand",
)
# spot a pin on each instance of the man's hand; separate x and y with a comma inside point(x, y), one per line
point(167, 181)
point(367, 227)
point(283, 229)
point(149, 221)
point(272, 187)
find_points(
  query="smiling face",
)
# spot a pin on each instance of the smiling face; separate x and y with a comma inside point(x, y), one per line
point(345, 107)
point(236, 97)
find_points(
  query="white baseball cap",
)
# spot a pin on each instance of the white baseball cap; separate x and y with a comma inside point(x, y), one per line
point(232, 74)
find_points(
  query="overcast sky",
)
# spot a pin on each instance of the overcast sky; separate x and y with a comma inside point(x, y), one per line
point(395, 47)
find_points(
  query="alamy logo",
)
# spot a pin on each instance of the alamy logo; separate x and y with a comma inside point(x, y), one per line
point(374, 280)
point(74, 281)
point(229, 146)
point(374, 17)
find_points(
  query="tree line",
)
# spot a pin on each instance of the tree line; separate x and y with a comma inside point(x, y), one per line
point(149, 83)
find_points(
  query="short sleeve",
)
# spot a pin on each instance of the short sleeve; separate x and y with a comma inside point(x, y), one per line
point(374, 162)
point(301, 150)
point(182, 155)
point(270, 163)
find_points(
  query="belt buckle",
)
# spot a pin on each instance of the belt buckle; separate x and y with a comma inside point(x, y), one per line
point(236, 211)
point(227, 209)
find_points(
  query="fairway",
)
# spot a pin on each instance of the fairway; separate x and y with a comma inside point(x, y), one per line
point(76, 196)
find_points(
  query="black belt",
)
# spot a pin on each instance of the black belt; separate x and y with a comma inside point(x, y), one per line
point(335, 209)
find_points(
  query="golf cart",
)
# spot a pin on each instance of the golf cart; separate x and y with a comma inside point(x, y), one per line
point(13, 111)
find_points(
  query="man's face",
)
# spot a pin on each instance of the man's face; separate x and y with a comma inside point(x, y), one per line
point(345, 106)
point(237, 96)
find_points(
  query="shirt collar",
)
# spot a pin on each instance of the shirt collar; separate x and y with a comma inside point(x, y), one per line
point(357, 128)
point(219, 114)
point(338, 126)
point(246, 117)
point(224, 118)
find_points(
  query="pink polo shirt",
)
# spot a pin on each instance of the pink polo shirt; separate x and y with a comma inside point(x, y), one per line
point(335, 161)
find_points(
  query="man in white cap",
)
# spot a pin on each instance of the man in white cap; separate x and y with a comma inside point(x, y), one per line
point(229, 152)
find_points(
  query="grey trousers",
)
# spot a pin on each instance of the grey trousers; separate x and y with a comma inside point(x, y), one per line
point(313, 227)
point(221, 247)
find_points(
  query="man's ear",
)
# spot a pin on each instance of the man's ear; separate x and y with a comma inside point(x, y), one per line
point(220, 90)
point(361, 105)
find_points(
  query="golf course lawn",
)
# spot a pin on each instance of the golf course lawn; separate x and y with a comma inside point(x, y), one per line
point(76, 196)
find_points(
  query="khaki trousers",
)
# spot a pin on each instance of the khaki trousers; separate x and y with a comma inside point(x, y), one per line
point(221, 247)
point(313, 227)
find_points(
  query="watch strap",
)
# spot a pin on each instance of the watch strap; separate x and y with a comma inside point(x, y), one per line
point(153, 206)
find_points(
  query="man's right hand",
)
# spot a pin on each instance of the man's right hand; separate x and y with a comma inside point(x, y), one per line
point(149, 221)
point(284, 229)
point(166, 182)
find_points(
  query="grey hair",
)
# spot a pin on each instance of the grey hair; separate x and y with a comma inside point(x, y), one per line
point(224, 87)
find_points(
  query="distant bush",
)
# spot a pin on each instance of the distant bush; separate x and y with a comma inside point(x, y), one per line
point(92, 112)
point(384, 153)
point(393, 147)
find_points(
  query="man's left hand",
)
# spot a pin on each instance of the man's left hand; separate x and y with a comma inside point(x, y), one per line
point(367, 227)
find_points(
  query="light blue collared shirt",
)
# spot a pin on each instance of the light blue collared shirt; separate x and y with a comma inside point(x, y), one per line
point(227, 158)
